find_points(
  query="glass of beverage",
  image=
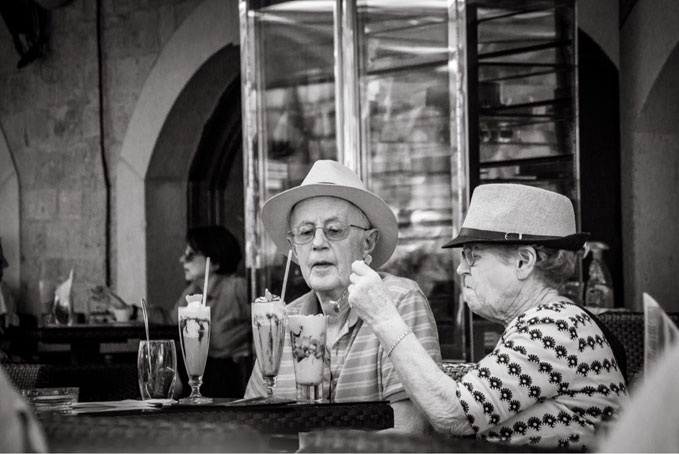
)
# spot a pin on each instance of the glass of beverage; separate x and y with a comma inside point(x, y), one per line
point(307, 339)
point(156, 366)
point(46, 289)
point(268, 330)
point(194, 336)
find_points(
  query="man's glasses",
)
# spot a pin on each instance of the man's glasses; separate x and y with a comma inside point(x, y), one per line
point(468, 256)
point(333, 231)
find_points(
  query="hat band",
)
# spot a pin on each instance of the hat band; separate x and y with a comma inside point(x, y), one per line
point(506, 236)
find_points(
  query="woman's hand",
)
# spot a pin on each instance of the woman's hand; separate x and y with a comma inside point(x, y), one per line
point(369, 296)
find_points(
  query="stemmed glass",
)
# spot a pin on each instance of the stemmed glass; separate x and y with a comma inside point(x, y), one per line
point(194, 336)
point(268, 329)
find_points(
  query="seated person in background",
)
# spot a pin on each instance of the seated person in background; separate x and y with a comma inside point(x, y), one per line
point(8, 316)
point(227, 365)
point(555, 374)
point(329, 221)
point(19, 430)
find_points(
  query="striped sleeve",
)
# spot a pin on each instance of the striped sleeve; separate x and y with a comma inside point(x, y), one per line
point(415, 311)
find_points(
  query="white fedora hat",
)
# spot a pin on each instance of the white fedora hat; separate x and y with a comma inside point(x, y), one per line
point(332, 179)
point(519, 214)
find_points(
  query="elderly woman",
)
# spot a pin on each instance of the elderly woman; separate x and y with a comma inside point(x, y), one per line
point(226, 370)
point(553, 377)
point(330, 221)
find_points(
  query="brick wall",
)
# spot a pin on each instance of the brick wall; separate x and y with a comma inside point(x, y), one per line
point(49, 112)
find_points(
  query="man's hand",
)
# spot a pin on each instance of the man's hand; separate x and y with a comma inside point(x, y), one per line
point(369, 296)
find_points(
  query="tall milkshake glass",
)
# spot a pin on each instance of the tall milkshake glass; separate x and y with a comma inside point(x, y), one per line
point(194, 336)
point(268, 330)
point(307, 339)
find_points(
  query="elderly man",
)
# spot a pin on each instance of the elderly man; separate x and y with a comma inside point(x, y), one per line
point(332, 220)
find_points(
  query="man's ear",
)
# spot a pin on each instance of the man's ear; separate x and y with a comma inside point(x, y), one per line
point(371, 238)
point(292, 247)
point(525, 264)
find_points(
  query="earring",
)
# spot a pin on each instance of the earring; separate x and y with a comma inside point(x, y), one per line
point(368, 259)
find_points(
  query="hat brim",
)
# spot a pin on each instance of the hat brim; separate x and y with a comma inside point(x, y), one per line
point(276, 215)
point(572, 242)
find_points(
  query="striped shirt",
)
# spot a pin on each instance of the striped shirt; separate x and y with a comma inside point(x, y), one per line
point(358, 368)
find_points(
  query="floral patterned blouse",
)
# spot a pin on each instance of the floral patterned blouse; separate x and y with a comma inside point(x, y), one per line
point(550, 381)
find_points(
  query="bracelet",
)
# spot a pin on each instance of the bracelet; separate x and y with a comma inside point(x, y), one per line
point(398, 341)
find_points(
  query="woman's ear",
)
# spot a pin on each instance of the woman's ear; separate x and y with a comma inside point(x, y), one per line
point(213, 266)
point(527, 256)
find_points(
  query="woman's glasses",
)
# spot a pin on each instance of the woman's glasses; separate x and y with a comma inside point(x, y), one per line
point(188, 255)
point(333, 231)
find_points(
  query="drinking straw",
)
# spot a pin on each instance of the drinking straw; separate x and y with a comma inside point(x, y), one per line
point(207, 274)
point(146, 325)
point(146, 318)
point(285, 276)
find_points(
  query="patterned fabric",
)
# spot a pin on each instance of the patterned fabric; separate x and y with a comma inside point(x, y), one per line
point(551, 380)
point(231, 330)
point(358, 368)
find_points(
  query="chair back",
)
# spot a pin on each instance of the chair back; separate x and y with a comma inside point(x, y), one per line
point(27, 376)
point(457, 370)
point(97, 382)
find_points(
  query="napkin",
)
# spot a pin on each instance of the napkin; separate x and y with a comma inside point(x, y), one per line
point(63, 292)
point(121, 405)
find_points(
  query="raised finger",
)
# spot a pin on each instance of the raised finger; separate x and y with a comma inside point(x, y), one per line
point(359, 267)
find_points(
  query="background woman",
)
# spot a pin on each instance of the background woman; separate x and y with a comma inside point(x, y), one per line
point(228, 363)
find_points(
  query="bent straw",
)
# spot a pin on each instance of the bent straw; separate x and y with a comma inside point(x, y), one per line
point(285, 276)
point(207, 274)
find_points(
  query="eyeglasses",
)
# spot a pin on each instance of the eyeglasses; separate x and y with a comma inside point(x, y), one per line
point(187, 256)
point(468, 256)
point(333, 231)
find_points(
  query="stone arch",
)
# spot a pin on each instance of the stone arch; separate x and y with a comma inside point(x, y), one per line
point(657, 142)
point(660, 111)
point(648, 41)
point(165, 127)
point(654, 25)
point(9, 218)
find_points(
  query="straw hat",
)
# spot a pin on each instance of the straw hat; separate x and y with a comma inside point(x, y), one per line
point(519, 214)
point(332, 179)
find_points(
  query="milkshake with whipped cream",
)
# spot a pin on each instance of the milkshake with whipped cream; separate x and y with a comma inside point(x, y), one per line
point(194, 335)
point(268, 330)
point(307, 338)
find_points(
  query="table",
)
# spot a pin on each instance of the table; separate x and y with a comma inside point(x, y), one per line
point(85, 339)
point(251, 428)
point(102, 332)
point(336, 440)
